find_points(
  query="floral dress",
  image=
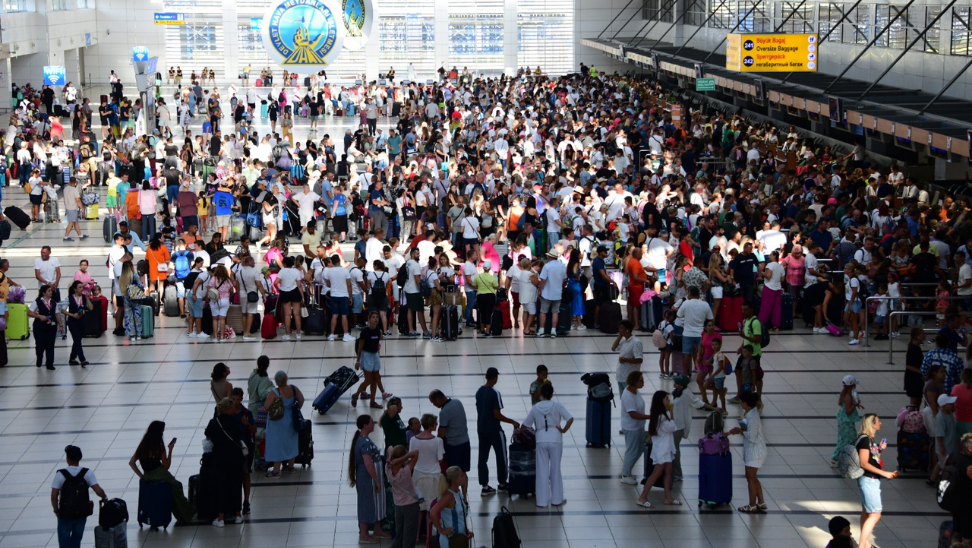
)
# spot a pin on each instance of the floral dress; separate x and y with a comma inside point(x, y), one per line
point(846, 430)
point(133, 314)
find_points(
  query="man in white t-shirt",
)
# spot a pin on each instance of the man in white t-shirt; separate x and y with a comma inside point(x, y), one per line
point(553, 276)
point(413, 293)
point(357, 292)
point(338, 280)
point(306, 202)
point(469, 271)
point(373, 250)
point(47, 270)
point(769, 308)
point(694, 313)
point(656, 252)
point(249, 281)
point(964, 287)
point(72, 511)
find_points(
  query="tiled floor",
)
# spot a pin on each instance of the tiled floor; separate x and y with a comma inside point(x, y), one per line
point(105, 408)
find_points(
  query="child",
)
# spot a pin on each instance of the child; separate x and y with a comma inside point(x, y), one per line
point(392, 425)
point(82, 276)
point(881, 313)
point(946, 435)
point(667, 327)
point(414, 427)
point(203, 211)
point(717, 378)
point(745, 368)
point(943, 293)
point(894, 291)
point(840, 532)
point(624, 227)
point(535, 385)
point(398, 472)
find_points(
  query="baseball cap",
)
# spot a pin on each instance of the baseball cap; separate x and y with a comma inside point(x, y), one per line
point(850, 380)
point(945, 399)
point(73, 452)
point(682, 380)
point(487, 264)
point(264, 270)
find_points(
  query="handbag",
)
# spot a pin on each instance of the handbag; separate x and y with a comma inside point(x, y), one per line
point(251, 296)
point(276, 410)
point(135, 292)
point(243, 447)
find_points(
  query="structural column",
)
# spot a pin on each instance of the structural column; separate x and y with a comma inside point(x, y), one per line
point(231, 41)
point(510, 37)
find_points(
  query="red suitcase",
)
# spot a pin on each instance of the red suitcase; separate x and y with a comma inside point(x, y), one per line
point(104, 313)
point(268, 329)
point(730, 313)
point(507, 316)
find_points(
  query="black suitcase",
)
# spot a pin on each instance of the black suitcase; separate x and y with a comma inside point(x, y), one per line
point(207, 321)
point(314, 322)
point(402, 322)
point(610, 318)
point(109, 228)
point(153, 300)
point(305, 444)
point(17, 217)
point(589, 319)
point(396, 109)
point(4, 230)
point(523, 471)
point(91, 321)
point(450, 322)
point(786, 311)
point(496, 323)
point(202, 489)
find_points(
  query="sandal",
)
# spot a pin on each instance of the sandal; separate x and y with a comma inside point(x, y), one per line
point(354, 400)
point(645, 504)
point(749, 509)
point(763, 508)
point(675, 502)
point(376, 406)
point(272, 475)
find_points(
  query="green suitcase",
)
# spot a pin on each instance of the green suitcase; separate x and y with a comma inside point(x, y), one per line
point(18, 324)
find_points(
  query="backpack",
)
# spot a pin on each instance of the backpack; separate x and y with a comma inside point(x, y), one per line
point(377, 295)
point(182, 266)
point(425, 289)
point(911, 421)
point(862, 292)
point(849, 461)
point(658, 337)
point(949, 499)
point(73, 501)
point(504, 531)
point(401, 279)
point(764, 333)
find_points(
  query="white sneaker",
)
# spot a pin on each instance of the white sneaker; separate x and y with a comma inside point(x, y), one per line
point(191, 335)
point(573, 327)
point(219, 523)
point(348, 338)
point(298, 336)
point(854, 342)
point(245, 338)
point(285, 338)
point(895, 335)
point(629, 480)
point(239, 519)
point(330, 337)
point(202, 336)
point(582, 328)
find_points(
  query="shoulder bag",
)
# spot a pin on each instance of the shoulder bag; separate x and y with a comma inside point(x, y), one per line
point(276, 410)
point(251, 296)
point(243, 447)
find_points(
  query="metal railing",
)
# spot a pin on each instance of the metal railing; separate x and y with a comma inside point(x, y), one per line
point(867, 334)
point(903, 313)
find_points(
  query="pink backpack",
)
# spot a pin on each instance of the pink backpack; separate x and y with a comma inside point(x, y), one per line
point(714, 444)
point(910, 421)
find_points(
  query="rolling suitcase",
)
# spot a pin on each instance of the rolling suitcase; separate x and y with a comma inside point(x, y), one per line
point(589, 320)
point(153, 301)
point(18, 325)
point(112, 513)
point(104, 312)
point(786, 311)
point(402, 322)
point(202, 489)
point(17, 217)
point(327, 398)
point(148, 322)
point(913, 451)
point(91, 326)
point(598, 423)
point(335, 385)
point(234, 318)
point(522, 470)
point(496, 323)
point(504, 308)
point(5, 229)
point(91, 212)
point(313, 324)
point(154, 504)
point(610, 318)
point(715, 479)
point(207, 321)
point(730, 313)
point(170, 301)
point(113, 537)
point(451, 326)
point(650, 469)
point(109, 228)
point(268, 327)
point(305, 444)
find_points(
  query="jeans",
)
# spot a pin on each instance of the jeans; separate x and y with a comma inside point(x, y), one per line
point(470, 306)
point(497, 442)
point(69, 532)
point(634, 448)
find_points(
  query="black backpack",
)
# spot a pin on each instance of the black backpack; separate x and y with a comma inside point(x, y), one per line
point(504, 531)
point(378, 294)
point(73, 500)
point(948, 496)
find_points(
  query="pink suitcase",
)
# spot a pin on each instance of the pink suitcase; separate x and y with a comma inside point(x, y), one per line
point(834, 330)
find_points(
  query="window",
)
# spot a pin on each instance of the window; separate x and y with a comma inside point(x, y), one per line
point(827, 19)
point(961, 31)
point(11, 6)
point(857, 26)
point(933, 35)
point(694, 13)
point(896, 34)
point(658, 10)
point(545, 35)
point(86, 4)
point(476, 34)
point(721, 15)
point(752, 17)
point(59, 5)
point(793, 17)
point(250, 42)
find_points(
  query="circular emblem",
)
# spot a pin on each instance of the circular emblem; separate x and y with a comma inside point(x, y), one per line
point(748, 45)
point(303, 35)
point(359, 22)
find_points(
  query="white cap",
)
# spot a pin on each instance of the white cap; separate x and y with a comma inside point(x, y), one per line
point(849, 380)
point(945, 399)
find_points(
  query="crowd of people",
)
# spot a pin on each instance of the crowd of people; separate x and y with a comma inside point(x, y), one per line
point(539, 198)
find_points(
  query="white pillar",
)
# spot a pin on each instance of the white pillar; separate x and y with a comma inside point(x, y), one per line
point(441, 40)
point(231, 42)
point(510, 34)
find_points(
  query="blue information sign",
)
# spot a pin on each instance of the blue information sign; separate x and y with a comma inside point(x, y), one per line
point(170, 19)
point(55, 76)
point(256, 23)
point(140, 53)
point(87, 39)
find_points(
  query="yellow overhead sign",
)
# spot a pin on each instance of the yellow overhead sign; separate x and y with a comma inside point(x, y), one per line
point(772, 52)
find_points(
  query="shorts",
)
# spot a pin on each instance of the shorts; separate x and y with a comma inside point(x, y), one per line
point(374, 306)
point(246, 307)
point(339, 306)
point(35, 199)
point(879, 319)
point(292, 296)
point(370, 362)
point(222, 221)
point(716, 292)
point(548, 306)
point(689, 344)
point(705, 369)
point(870, 494)
point(853, 308)
point(180, 289)
point(634, 295)
point(719, 383)
point(111, 201)
point(415, 302)
point(747, 387)
point(72, 215)
point(356, 303)
point(471, 241)
point(219, 307)
point(196, 308)
point(531, 308)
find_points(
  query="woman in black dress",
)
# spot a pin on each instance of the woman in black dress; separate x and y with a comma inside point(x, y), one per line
point(78, 306)
point(228, 462)
point(913, 380)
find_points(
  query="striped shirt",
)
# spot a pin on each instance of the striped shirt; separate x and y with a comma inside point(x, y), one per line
point(754, 443)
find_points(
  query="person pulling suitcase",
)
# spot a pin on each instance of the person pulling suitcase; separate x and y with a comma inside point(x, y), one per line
point(69, 497)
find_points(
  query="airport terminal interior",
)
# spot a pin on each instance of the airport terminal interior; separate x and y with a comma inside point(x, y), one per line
point(877, 83)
